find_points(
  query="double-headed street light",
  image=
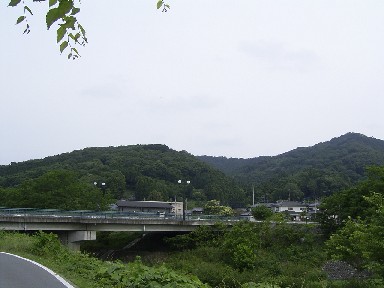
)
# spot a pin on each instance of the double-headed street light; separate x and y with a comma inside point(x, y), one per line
point(102, 186)
point(184, 198)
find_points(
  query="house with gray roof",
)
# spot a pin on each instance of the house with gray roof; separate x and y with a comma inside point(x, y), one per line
point(175, 208)
point(296, 210)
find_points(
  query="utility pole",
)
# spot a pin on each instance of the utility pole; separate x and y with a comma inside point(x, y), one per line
point(184, 197)
point(253, 195)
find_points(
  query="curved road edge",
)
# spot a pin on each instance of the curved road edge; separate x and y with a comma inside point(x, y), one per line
point(57, 276)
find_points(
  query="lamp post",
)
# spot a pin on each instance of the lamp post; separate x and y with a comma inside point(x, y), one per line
point(184, 198)
point(102, 186)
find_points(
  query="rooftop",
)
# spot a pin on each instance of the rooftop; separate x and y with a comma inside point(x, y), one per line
point(143, 204)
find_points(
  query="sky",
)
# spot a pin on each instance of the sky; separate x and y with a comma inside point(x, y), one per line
point(238, 79)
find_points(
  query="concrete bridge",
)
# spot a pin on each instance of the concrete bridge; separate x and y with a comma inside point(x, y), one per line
point(74, 227)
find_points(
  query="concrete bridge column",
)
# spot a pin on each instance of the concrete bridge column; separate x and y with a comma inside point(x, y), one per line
point(72, 239)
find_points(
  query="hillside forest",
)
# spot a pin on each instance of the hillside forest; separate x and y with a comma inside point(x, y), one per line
point(345, 249)
point(139, 172)
point(343, 252)
point(152, 172)
point(305, 173)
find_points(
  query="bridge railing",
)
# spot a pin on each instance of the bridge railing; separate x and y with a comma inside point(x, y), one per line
point(17, 212)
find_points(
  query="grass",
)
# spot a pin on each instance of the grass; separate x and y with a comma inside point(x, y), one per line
point(85, 271)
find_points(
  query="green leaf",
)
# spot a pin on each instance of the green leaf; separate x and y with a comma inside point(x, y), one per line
point(159, 4)
point(14, 3)
point(65, 6)
point(75, 50)
point(69, 22)
point(63, 46)
point(60, 33)
point(54, 14)
point(69, 55)
point(77, 36)
point(29, 10)
point(20, 19)
point(75, 10)
point(81, 29)
point(52, 2)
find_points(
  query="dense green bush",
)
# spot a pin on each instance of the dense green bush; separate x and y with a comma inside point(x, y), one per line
point(278, 254)
point(261, 212)
point(137, 275)
point(361, 242)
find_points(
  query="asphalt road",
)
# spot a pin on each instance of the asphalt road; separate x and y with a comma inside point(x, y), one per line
point(17, 272)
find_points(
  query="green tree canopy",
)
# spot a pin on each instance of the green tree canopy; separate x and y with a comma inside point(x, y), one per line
point(261, 212)
point(70, 33)
point(135, 172)
point(60, 189)
point(351, 203)
point(213, 207)
point(360, 242)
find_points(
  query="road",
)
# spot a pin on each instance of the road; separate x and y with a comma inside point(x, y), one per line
point(19, 272)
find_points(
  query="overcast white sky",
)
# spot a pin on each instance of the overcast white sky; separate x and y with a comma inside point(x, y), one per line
point(224, 78)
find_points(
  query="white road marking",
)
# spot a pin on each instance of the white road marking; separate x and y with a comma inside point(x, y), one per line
point(57, 276)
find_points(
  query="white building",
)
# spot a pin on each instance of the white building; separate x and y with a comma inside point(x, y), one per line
point(290, 206)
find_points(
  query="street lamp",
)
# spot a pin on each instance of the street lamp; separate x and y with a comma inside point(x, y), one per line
point(184, 198)
point(102, 186)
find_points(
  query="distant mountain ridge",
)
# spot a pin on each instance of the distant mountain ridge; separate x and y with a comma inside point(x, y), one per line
point(152, 171)
point(139, 172)
point(315, 171)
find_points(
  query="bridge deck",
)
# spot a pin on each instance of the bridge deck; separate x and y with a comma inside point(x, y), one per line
point(102, 222)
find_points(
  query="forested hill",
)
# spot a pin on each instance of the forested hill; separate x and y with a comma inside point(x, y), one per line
point(138, 172)
point(152, 172)
point(310, 172)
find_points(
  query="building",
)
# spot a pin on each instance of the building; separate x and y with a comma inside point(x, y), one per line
point(290, 206)
point(175, 208)
point(295, 210)
point(195, 211)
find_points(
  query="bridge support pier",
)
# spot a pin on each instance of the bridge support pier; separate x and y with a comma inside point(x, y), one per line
point(72, 239)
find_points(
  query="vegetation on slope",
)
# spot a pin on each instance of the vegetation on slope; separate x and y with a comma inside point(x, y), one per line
point(84, 271)
point(149, 172)
point(346, 250)
point(260, 255)
point(354, 218)
point(303, 173)
point(287, 255)
point(354, 204)
point(152, 172)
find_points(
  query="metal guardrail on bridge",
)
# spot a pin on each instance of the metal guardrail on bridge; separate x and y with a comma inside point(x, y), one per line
point(89, 214)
